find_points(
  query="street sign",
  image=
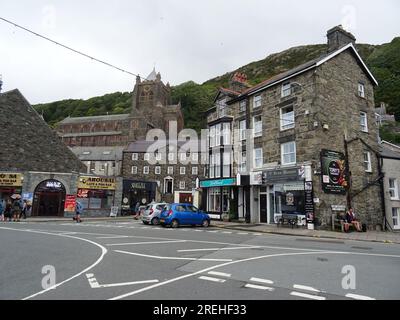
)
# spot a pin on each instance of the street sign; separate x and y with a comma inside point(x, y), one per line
point(114, 211)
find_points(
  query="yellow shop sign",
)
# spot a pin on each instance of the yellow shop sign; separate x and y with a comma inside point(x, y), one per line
point(96, 183)
point(10, 179)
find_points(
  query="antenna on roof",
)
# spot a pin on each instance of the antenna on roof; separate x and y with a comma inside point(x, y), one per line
point(1, 81)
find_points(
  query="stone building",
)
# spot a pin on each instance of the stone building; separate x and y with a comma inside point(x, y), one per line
point(33, 160)
point(305, 141)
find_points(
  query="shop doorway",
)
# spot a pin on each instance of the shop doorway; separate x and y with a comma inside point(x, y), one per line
point(263, 208)
point(49, 199)
point(186, 198)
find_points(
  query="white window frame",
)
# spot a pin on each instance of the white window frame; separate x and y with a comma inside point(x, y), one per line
point(211, 172)
point(258, 156)
point(183, 156)
point(361, 90)
point(396, 215)
point(394, 189)
point(257, 101)
point(257, 126)
point(170, 170)
point(218, 134)
point(166, 184)
point(226, 164)
point(182, 185)
point(212, 136)
point(134, 170)
point(363, 124)
point(286, 89)
point(195, 156)
point(242, 130)
point(157, 170)
point(226, 133)
point(195, 171)
point(287, 122)
point(146, 156)
point(135, 156)
point(243, 162)
point(182, 170)
point(368, 161)
point(158, 156)
point(217, 165)
point(171, 156)
point(283, 154)
point(146, 170)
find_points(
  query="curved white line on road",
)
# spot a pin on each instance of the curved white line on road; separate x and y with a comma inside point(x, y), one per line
point(239, 261)
point(103, 252)
point(168, 258)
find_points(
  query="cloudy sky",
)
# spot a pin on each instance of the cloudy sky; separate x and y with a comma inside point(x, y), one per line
point(184, 39)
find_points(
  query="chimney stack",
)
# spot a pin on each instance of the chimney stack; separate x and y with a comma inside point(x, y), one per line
point(338, 38)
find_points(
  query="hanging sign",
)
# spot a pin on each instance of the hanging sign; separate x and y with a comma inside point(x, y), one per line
point(97, 183)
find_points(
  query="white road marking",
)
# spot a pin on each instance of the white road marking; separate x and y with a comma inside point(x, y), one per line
point(254, 286)
point(221, 274)
point(212, 279)
point(257, 234)
point(242, 233)
point(212, 231)
point(67, 233)
point(94, 284)
point(169, 258)
point(198, 230)
point(147, 242)
point(103, 252)
point(218, 249)
point(226, 232)
point(358, 297)
point(112, 237)
point(261, 280)
point(306, 288)
point(307, 296)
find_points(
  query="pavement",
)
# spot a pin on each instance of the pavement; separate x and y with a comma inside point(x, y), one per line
point(374, 236)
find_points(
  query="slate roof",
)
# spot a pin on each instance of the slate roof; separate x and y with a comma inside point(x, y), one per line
point(72, 120)
point(142, 146)
point(27, 143)
point(98, 153)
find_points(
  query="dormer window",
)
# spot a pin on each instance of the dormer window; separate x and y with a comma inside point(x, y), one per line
point(286, 89)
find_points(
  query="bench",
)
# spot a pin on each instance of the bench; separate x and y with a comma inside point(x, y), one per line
point(338, 222)
point(288, 219)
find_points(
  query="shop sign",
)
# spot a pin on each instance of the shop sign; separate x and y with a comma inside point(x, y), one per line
point(281, 175)
point(70, 202)
point(334, 172)
point(218, 183)
point(11, 179)
point(138, 185)
point(256, 178)
point(309, 201)
point(338, 208)
point(97, 183)
point(28, 196)
point(53, 184)
point(289, 199)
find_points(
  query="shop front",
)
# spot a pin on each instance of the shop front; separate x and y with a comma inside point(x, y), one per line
point(134, 192)
point(10, 183)
point(96, 194)
point(219, 194)
point(282, 192)
point(49, 199)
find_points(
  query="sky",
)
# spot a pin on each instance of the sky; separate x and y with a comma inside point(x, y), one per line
point(183, 39)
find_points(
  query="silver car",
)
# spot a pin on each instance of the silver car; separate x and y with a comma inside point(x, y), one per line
point(152, 213)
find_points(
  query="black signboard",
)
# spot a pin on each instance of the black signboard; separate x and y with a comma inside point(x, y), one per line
point(281, 175)
point(309, 201)
point(333, 172)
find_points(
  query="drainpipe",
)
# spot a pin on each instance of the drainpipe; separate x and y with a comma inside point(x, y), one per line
point(382, 190)
point(348, 193)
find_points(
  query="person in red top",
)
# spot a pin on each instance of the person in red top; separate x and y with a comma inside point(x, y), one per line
point(351, 219)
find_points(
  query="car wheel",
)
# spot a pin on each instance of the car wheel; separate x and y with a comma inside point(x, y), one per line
point(205, 223)
point(155, 221)
point(175, 223)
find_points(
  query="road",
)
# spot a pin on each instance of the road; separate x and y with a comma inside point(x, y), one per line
point(113, 260)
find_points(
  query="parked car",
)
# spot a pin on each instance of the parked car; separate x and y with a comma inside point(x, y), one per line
point(177, 214)
point(152, 213)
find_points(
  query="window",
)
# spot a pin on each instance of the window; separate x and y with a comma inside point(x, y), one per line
point(214, 199)
point(242, 163)
point(286, 89)
point(95, 199)
point(134, 170)
point(218, 135)
point(396, 218)
point(168, 185)
point(363, 122)
point(106, 152)
point(217, 165)
point(182, 170)
point(212, 166)
point(226, 168)
point(361, 90)
point(195, 170)
point(242, 106)
point(226, 132)
point(157, 170)
point(367, 161)
point(135, 156)
point(195, 156)
point(288, 153)
point(170, 157)
point(258, 158)
point(257, 126)
point(158, 156)
point(257, 101)
point(212, 136)
point(183, 156)
point(170, 170)
point(393, 189)
point(182, 185)
point(146, 170)
point(287, 118)
point(86, 153)
point(242, 130)
point(146, 157)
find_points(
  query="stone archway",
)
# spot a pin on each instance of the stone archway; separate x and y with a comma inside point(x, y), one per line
point(49, 199)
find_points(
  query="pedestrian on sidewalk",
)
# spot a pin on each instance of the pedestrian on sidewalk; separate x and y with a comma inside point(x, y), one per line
point(78, 211)
point(7, 211)
point(2, 209)
point(17, 208)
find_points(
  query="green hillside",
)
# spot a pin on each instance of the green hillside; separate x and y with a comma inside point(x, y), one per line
point(383, 60)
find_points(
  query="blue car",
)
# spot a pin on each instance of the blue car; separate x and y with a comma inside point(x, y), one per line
point(177, 214)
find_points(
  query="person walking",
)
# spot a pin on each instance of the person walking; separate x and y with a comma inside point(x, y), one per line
point(7, 211)
point(23, 212)
point(78, 211)
point(17, 208)
point(2, 209)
